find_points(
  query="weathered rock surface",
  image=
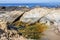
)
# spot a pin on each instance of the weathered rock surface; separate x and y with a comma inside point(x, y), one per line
point(34, 14)
point(30, 16)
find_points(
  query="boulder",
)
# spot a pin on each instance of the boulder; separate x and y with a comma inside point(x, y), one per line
point(34, 14)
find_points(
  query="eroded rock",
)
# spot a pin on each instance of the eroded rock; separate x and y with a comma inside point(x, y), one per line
point(34, 15)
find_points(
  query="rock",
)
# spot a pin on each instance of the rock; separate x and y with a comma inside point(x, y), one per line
point(3, 25)
point(30, 16)
point(10, 16)
point(34, 14)
point(13, 15)
point(54, 15)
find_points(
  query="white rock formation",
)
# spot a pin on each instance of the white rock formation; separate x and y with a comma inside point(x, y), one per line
point(34, 14)
point(13, 15)
point(10, 16)
point(55, 17)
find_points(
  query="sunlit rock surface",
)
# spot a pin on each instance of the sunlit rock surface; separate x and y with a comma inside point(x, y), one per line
point(49, 16)
point(3, 25)
point(13, 15)
point(34, 14)
point(10, 16)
